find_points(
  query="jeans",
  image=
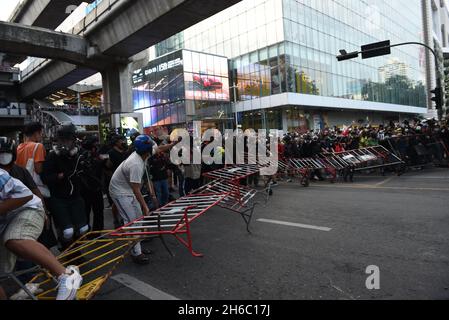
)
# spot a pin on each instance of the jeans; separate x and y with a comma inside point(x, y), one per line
point(162, 192)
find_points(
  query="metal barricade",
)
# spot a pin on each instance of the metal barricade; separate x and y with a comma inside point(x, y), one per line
point(96, 254)
point(173, 219)
point(366, 158)
point(239, 199)
point(419, 150)
point(234, 172)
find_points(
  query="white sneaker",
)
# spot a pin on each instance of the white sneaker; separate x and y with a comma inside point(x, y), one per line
point(69, 283)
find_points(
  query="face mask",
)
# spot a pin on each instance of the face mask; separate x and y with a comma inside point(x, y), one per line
point(6, 159)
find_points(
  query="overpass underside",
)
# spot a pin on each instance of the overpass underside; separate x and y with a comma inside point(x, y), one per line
point(113, 32)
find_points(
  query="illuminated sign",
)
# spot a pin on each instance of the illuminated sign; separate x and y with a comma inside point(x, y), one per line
point(140, 73)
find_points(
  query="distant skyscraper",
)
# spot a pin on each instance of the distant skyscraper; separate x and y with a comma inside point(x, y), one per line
point(394, 68)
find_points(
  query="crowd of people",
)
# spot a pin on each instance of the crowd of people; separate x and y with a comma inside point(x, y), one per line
point(414, 141)
point(53, 197)
point(63, 189)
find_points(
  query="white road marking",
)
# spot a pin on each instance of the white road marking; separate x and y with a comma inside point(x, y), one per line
point(142, 288)
point(408, 177)
point(383, 182)
point(367, 186)
point(297, 225)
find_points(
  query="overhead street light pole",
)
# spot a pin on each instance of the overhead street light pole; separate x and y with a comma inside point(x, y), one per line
point(346, 56)
point(383, 48)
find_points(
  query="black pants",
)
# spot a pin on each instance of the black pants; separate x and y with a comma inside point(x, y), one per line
point(93, 202)
point(191, 184)
point(68, 214)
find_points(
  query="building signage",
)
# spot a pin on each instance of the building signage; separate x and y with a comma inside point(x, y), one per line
point(139, 74)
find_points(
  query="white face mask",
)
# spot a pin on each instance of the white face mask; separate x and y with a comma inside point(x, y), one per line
point(6, 159)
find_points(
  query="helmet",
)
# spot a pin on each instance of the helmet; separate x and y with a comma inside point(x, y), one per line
point(66, 132)
point(287, 139)
point(144, 144)
point(89, 142)
point(66, 136)
point(134, 136)
point(116, 138)
point(7, 151)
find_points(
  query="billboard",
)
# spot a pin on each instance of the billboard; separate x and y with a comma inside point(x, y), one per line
point(160, 82)
point(206, 77)
point(163, 88)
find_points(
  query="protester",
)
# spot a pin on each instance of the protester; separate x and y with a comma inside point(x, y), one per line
point(7, 158)
point(61, 172)
point(31, 154)
point(125, 189)
point(117, 154)
point(92, 188)
point(159, 169)
point(21, 222)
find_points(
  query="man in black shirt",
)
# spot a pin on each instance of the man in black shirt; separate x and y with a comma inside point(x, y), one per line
point(118, 153)
point(61, 173)
point(159, 165)
point(91, 179)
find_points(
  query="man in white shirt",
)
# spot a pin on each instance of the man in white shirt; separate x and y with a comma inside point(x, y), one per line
point(22, 219)
point(126, 184)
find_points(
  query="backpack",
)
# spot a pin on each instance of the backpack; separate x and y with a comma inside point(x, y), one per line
point(36, 177)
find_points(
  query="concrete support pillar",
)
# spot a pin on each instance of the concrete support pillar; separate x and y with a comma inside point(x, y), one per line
point(117, 91)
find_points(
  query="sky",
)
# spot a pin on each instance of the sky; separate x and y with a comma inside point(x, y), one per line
point(6, 8)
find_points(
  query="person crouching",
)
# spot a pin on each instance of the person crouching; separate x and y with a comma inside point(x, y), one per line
point(125, 189)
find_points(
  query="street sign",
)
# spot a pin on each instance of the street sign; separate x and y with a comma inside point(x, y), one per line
point(376, 49)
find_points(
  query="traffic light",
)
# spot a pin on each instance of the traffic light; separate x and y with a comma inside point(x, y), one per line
point(347, 56)
point(437, 97)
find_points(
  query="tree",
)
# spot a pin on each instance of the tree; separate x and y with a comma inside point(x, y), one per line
point(397, 89)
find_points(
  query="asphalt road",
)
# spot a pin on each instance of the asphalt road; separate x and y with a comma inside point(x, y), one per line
point(399, 224)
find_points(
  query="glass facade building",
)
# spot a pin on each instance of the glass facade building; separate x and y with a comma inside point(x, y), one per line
point(283, 60)
point(183, 86)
